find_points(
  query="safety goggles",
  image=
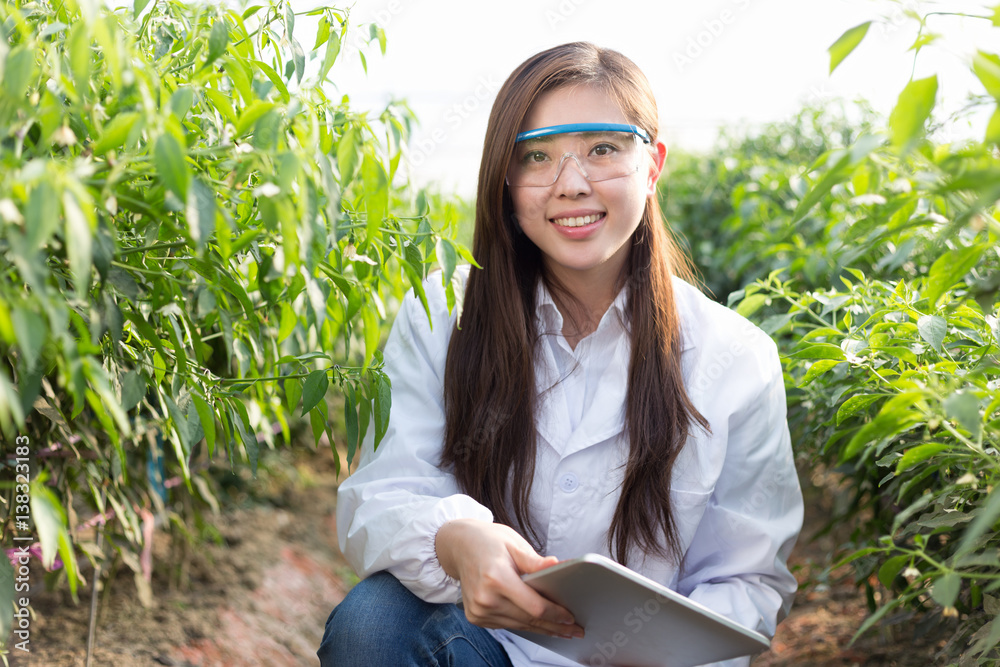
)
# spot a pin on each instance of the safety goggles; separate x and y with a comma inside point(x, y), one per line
point(602, 151)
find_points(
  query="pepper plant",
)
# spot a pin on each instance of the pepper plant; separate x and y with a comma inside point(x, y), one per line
point(198, 243)
point(893, 365)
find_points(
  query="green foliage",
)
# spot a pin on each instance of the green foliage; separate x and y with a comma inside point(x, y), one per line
point(875, 263)
point(197, 244)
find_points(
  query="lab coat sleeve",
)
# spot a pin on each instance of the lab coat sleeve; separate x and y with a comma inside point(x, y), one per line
point(390, 509)
point(736, 564)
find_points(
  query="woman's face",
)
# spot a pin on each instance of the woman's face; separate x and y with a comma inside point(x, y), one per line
point(610, 209)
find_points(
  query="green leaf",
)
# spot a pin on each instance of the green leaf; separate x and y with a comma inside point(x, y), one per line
point(181, 101)
point(818, 368)
point(376, 192)
point(222, 103)
point(332, 50)
point(287, 323)
point(383, 403)
point(314, 389)
point(919, 454)
point(79, 238)
point(318, 420)
point(293, 393)
point(949, 269)
point(115, 132)
point(963, 407)
point(289, 20)
point(376, 32)
point(348, 156)
point(993, 127)
point(986, 67)
point(168, 156)
point(351, 422)
point(989, 513)
point(945, 589)
point(218, 40)
point(18, 73)
point(275, 79)
point(50, 522)
point(891, 569)
point(299, 59)
point(41, 216)
point(846, 43)
point(820, 351)
point(913, 107)
point(251, 115)
point(133, 389)
point(237, 71)
point(446, 257)
point(322, 32)
point(876, 617)
point(137, 7)
point(890, 422)
point(751, 304)
point(372, 330)
point(200, 212)
point(839, 172)
point(850, 558)
point(78, 47)
point(854, 404)
point(932, 329)
point(207, 416)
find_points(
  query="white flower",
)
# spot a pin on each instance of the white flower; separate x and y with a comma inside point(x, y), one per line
point(267, 190)
point(351, 254)
point(968, 478)
point(64, 136)
point(911, 573)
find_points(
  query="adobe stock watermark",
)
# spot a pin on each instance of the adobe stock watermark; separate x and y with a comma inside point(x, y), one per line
point(712, 30)
point(560, 13)
point(634, 620)
point(483, 93)
point(20, 556)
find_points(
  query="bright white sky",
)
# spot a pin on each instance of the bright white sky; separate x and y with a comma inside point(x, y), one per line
point(712, 63)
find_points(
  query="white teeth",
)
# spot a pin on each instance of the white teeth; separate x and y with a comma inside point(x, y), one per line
point(577, 222)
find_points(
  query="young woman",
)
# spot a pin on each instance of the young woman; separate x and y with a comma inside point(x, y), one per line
point(590, 400)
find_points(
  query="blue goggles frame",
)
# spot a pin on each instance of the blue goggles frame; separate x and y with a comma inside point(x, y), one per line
point(583, 127)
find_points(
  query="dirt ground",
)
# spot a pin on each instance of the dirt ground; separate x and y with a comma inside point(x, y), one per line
point(262, 595)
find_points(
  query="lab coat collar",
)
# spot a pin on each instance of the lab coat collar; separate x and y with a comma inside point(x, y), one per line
point(551, 319)
point(606, 416)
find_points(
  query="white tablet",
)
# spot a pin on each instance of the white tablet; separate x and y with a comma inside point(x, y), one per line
point(631, 620)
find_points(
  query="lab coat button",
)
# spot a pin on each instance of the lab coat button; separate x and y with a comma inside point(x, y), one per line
point(569, 482)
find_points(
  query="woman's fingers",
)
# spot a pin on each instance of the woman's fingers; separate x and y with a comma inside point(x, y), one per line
point(489, 559)
point(507, 602)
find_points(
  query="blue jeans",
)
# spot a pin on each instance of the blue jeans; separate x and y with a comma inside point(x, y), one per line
point(382, 624)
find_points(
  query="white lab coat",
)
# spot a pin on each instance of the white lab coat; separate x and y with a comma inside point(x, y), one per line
point(735, 493)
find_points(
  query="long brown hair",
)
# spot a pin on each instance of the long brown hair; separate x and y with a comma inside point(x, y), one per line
point(489, 385)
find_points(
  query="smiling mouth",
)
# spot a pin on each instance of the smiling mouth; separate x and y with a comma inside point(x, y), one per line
point(578, 221)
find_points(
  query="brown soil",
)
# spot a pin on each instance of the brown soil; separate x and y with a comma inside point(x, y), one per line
point(261, 597)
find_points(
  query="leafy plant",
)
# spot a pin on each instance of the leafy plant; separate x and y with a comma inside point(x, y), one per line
point(874, 261)
point(902, 377)
point(196, 244)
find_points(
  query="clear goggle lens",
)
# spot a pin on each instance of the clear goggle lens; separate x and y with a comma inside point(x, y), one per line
point(599, 154)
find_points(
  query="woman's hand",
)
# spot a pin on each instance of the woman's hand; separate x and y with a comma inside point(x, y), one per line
point(489, 559)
